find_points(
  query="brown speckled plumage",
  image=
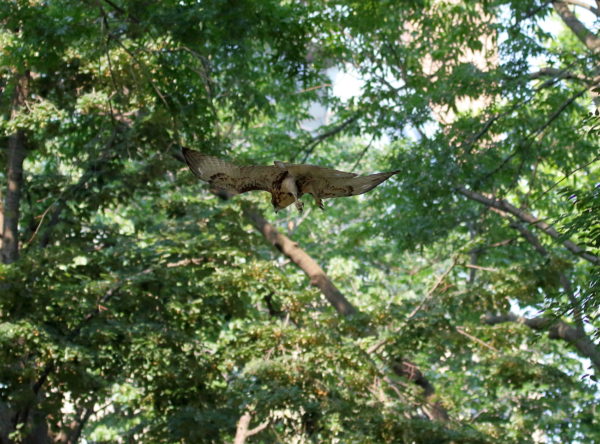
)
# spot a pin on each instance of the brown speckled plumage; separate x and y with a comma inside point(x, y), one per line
point(285, 181)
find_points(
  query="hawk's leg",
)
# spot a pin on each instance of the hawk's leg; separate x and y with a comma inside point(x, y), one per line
point(319, 202)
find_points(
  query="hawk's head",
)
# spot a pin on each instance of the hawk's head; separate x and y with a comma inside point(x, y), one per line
point(281, 200)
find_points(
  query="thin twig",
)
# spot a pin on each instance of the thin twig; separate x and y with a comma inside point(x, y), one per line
point(363, 152)
point(477, 267)
point(566, 176)
point(39, 225)
point(462, 331)
point(438, 282)
point(538, 133)
point(312, 88)
point(310, 146)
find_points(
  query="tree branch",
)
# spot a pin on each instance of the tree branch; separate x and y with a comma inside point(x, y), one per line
point(80, 423)
point(242, 431)
point(121, 11)
point(584, 343)
point(556, 329)
point(528, 139)
point(584, 5)
point(504, 206)
point(556, 73)
point(259, 428)
point(591, 41)
point(564, 281)
point(242, 428)
point(310, 146)
point(317, 276)
point(438, 282)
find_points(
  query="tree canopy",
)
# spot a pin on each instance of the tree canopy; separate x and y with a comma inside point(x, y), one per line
point(457, 302)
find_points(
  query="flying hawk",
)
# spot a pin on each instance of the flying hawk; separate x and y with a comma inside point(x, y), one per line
point(286, 182)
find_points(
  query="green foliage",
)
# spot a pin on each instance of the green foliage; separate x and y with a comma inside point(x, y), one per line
point(147, 310)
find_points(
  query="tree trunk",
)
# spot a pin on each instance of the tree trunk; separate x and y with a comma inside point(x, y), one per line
point(16, 156)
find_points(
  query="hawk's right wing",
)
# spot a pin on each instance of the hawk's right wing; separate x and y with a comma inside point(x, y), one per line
point(228, 176)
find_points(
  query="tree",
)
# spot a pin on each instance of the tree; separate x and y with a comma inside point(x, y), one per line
point(460, 301)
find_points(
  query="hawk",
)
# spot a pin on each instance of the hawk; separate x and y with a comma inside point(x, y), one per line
point(287, 182)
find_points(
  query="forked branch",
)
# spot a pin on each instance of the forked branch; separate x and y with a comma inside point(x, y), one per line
point(556, 329)
point(524, 216)
point(591, 41)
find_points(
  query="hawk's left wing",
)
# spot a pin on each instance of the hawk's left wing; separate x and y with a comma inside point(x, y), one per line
point(228, 176)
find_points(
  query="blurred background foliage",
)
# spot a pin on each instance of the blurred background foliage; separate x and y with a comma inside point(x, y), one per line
point(142, 308)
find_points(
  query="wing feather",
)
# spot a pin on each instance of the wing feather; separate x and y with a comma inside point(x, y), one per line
point(341, 187)
point(228, 176)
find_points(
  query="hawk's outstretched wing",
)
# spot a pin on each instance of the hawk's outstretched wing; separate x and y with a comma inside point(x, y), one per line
point(345, 186)
point(230, 177)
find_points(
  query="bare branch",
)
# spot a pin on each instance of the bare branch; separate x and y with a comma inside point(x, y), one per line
point(39, 224)
point(242, 431)
point(569, 174)
point(556, 329)
point(478, 267)
point(259, 428)
point(312, 88)
point(529, 138)
point(559, 111)
point(362, 153)
point(556, 73)
point(462, 331)
point(591, 41)
point(523, 216)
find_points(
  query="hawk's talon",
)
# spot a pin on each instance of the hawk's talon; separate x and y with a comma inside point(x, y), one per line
point(300, 206)
point(319, 203)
